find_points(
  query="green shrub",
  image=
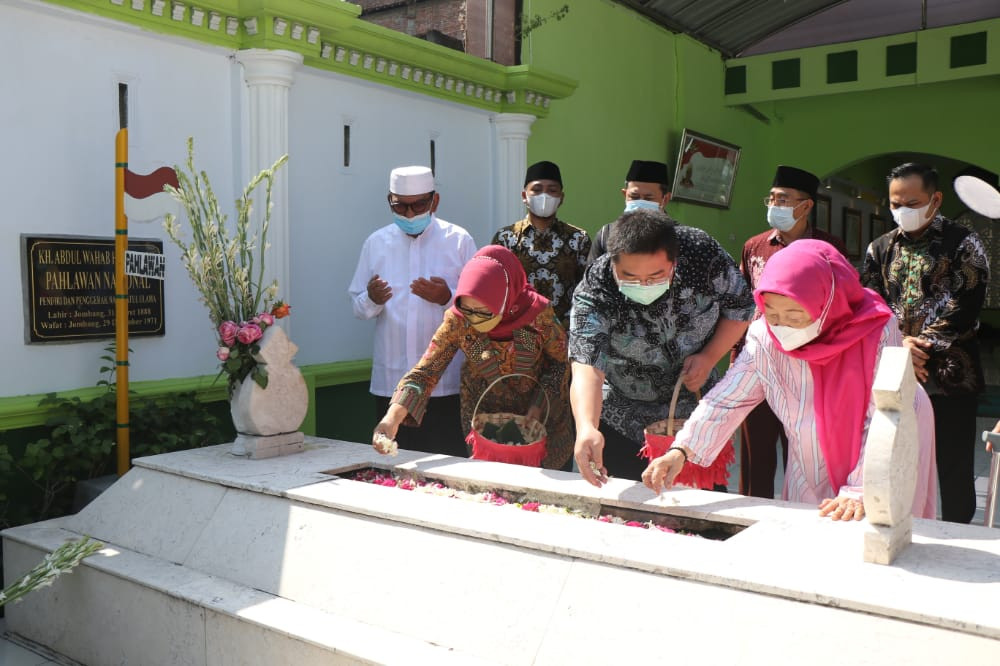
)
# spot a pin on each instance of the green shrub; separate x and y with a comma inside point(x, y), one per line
point(80, 444)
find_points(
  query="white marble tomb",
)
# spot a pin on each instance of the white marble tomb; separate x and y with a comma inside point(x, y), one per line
point(214, 559)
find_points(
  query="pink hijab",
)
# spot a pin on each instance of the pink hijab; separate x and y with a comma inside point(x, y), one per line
point(495, 277)
point(842, 357)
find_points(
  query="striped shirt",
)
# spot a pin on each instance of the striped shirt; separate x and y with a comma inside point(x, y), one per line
point(763, 372)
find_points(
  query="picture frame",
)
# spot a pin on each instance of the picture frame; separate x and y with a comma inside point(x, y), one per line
point(823, 207)
point(706, 170)
point(852, 232)
point(877, 225)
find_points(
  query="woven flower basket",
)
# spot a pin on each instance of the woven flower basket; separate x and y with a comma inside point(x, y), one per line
point(533, 432)
point(659, 437)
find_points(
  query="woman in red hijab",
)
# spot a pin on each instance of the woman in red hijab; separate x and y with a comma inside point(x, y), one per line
point(813, 357)
point(503, 327)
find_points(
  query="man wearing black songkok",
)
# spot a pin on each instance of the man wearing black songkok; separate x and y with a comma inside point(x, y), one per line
point(646, 187)
point(552, 252)
point(789, 207)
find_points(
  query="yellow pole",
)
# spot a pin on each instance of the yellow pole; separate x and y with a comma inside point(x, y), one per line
point(121, 301)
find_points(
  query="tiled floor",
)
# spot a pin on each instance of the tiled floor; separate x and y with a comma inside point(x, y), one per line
point(15, 654)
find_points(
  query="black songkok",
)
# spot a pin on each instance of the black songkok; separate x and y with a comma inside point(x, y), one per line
point(642, 171)
point(543, 171)
point(789, 176)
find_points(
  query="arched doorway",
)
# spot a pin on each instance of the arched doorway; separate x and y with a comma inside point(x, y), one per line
point(856, 198)
point(854, 205)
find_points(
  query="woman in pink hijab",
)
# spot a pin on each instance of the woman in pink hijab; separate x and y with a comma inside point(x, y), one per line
point(813, 357)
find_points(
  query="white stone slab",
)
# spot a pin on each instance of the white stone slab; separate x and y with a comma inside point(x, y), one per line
point(172, 510)
point(117, 622)
point(381, 574)
point(684, 622)
point(815, 566)
point(409, 566)
point(258, 617)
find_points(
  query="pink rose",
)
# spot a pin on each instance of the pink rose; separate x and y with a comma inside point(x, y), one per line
point(227, 330)
point(265, 318)
point(249, 333)
point(223, 353)
point(530, 506)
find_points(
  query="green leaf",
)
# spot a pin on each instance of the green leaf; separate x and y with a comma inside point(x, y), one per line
point(260, 378)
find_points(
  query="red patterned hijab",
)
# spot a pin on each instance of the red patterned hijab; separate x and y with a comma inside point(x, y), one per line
point(495, 277)
point(842, 357)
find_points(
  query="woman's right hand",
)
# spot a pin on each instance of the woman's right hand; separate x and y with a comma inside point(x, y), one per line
point(384, 433)
point(662, 471)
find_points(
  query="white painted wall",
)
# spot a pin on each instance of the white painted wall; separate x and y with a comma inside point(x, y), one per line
point(59, 72)
point(333, 209)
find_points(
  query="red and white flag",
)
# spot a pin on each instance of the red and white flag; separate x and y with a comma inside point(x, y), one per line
point(145, 199)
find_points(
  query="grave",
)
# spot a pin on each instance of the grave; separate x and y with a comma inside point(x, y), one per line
point(214, 559)
point(211, 558)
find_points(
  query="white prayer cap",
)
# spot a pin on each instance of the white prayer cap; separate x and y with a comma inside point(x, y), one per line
point(979, 195)
point(411, 180)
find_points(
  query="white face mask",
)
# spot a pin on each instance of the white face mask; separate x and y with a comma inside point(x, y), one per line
point(792, 338)
point(911, 219)
point(781, 218)
point(543, 205)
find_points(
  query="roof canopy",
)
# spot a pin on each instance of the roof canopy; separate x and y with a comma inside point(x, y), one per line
point(750, 27)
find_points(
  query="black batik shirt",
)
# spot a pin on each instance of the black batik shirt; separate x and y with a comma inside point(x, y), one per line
point(935, 285)
point(641, 348)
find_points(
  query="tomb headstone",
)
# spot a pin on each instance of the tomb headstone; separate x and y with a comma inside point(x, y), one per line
point(891, 455)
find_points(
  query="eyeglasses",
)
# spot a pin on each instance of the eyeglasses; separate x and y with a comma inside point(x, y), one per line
point(780, 201)
point(649, 282)
point(644, 283)
point(476, 316)
point(418, 207)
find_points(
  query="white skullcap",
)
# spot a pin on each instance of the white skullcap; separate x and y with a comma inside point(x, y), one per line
point(978, 195)
point(411, 180)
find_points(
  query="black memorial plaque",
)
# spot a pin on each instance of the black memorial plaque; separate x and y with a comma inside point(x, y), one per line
point(69, 288)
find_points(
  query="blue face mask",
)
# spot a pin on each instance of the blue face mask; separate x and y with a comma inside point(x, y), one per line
point(413, 226)
point(781, 218)
point(640, 204)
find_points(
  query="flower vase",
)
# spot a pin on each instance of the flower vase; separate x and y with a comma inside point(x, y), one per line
point(267, 419)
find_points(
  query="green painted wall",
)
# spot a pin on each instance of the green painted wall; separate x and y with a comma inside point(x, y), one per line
point(703, 109)
point(953, 119)
point(640, 86)
point(623, 111)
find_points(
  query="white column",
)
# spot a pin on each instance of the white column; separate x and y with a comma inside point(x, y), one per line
point(269, 76)
point(511, 148)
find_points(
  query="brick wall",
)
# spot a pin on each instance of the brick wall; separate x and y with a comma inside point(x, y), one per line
point(419, 18)
point(463, 20)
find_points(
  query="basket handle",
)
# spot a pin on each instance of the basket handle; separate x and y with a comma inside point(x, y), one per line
point(673, 404)
point(494, 383)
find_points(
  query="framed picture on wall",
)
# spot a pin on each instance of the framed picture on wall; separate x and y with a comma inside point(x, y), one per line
point(823, 212)
point(706, 170)
point(877, 225)
point(852, 232)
